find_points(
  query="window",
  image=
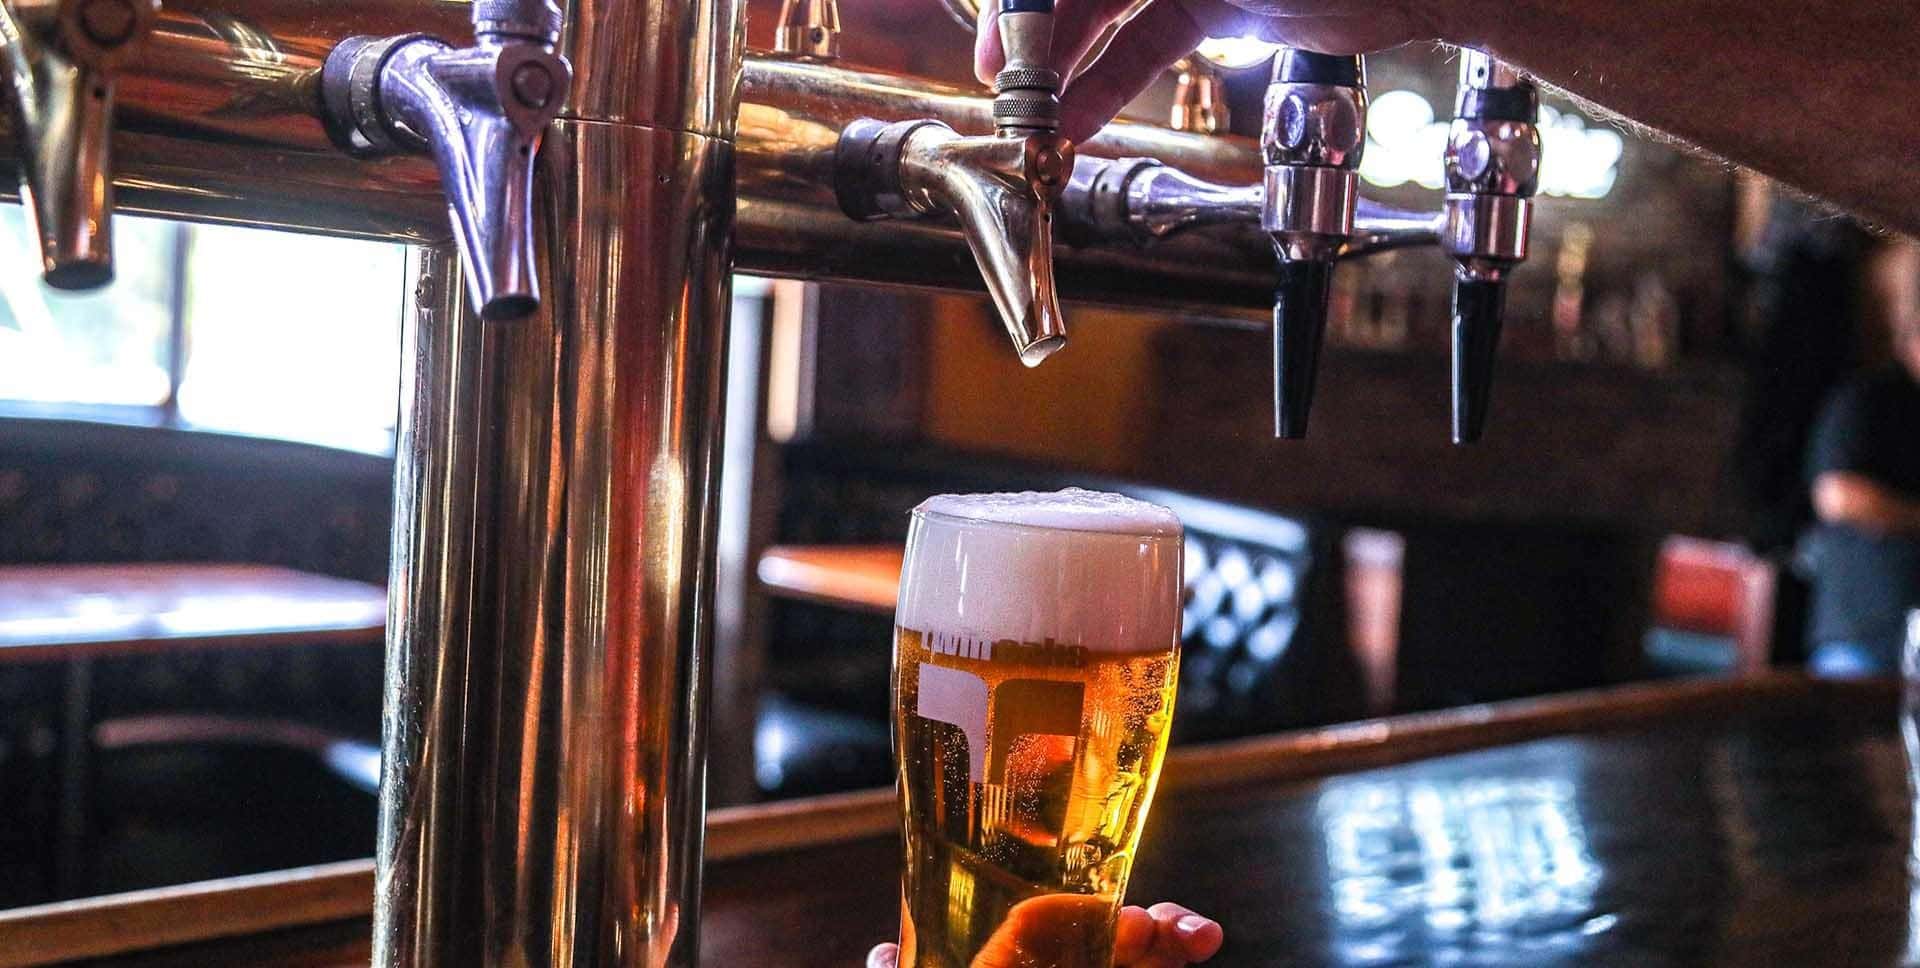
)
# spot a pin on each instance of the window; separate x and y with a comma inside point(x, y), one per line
point(208, 327)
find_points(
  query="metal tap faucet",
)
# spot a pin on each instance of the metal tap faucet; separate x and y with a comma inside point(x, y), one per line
point(1313, 131)
point(480, 111)
point(61, 56)
point(1309, 206)
point(1493, 169)
point(1002, 188)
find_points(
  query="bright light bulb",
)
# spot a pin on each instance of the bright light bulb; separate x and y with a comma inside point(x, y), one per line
point(1236, 53)
point(1406, 143)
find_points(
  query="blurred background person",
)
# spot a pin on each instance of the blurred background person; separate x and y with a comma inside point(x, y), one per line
point(1864, 465)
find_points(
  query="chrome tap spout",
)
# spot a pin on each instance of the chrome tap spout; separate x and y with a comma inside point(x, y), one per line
point(1003, 188)
point(1003, 191)
point(60, 59)
point(480, 111)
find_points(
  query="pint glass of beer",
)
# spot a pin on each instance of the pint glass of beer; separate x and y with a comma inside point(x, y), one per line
point(1035, 654)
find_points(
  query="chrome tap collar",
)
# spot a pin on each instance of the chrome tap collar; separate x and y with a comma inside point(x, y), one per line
point(1309, 210)
point(866, 169)
point(1315, 111)
point(1486, 234)
point(1312, 136)
point(1493, 168)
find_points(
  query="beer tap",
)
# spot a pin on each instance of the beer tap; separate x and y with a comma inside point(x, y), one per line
point(480, 111)
point(61, 56)
point(1493, 170)
point(1312, 134)
point(1310, 207)
point(1001, 187)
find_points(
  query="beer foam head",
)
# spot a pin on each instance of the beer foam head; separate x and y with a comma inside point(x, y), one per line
point(1077, 567)
point(1074, 509)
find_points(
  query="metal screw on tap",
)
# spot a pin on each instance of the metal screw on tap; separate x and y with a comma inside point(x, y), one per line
point(533, 85)
point(1293, 121)
point(109, 23)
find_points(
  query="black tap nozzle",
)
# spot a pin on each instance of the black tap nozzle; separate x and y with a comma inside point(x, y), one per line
point(1299, 329)
point(1477, 311)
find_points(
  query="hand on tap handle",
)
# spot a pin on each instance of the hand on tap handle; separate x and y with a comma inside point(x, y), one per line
point(1166, 30)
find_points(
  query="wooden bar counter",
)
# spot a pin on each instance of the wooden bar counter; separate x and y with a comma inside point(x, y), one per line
point(1754, 822)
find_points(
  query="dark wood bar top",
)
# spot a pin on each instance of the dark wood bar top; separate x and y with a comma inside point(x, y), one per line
point(1725, 823)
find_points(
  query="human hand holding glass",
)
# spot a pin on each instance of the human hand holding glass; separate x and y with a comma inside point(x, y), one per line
point(1163, 936)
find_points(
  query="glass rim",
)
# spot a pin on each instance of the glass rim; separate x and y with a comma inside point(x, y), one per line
point(924, 514)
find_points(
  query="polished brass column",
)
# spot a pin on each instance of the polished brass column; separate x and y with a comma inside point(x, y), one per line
point(543, 798)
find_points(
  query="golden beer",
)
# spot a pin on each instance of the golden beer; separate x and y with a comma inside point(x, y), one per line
point(1035, 660)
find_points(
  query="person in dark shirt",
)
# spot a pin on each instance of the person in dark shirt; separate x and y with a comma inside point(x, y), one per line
point(1865, 468)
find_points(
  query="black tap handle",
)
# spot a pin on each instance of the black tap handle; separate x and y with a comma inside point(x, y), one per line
point(1477, 310)
point(1026, 6)
point(1299, 327)
point(1297, 66)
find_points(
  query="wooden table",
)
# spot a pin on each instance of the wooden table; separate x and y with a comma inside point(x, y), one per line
point(861, 577)
point(55, 612)
point(1763, 822)
point(74, 614)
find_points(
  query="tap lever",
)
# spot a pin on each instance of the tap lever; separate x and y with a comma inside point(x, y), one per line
point(1026, 92)
point(481, 112)
point(1299, 329)
point(60, 59)
point(1478, 307)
